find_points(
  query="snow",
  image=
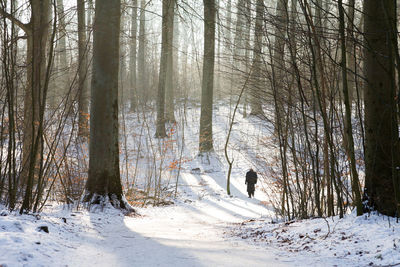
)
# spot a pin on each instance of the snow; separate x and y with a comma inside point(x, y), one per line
point(204, 226)
point(368, 240)
point(185, 234)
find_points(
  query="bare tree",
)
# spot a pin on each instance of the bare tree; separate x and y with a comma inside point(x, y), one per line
point(62, 61)
point(37, 31)
point(206, 134)
point(381, 129)
point(255, 101)
point(165, 64)
point(170, 82)
point(133, 56)
point(83, 99)
point(349, 128)
point(104, 183)
point(142, 70)
point(278, 59)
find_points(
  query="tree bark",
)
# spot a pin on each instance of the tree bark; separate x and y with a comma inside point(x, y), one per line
point(133, 57)
point(37, 41)
point(171, 59)
point(381, 132)
point(228, 29)
point(206, 134)
point(278, 60)
point(83, 97)
point(255, 95)
point(165, 64)
point(37, 31)
point(350, 57)
point(349, 128)
point(123, 55)
point(142, 87)
point(104, 183)
point(62, 56)
point(239, 31)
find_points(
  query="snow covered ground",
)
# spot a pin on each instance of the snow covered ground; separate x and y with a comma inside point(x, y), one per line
point(193, 232)
point(204, 226)
point(368, 240)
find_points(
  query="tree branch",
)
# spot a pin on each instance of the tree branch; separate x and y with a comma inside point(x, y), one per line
point(24, 26)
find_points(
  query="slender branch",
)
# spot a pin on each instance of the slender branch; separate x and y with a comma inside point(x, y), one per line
point(230, 162)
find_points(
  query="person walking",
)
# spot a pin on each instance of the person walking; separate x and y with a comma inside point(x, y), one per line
point(251, 180)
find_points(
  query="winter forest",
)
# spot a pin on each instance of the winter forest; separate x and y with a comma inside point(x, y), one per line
point(199, 133)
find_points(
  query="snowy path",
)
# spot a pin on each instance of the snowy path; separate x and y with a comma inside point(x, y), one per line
point(165, 240)
point(189, 233)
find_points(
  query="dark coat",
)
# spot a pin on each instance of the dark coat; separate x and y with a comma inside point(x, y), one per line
point(251, 180)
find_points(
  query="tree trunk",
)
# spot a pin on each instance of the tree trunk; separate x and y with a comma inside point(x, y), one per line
point(350, 57)
point(184, 62)
point(228, 29)
point(37, 31)
point(206, 135)
point(170, 74)
point(166, 57)
point(62, 56)
point(217, 85)
point(247, 40)
point(278, 60)
point(90, 11)
point(132, 56)
point(240, 28)
point(142, 87)
point(176, 48)
point(349, 129)
point(104, 183)
point(256, 84)
point(37, 42)
point(381, 132)
point(83, 97)
point(123, 76)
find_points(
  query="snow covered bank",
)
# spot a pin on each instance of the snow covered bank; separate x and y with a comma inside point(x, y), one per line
point(368, 240)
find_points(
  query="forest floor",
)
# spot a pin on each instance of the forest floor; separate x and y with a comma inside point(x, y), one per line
point(204, 226)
